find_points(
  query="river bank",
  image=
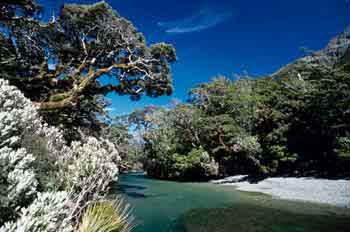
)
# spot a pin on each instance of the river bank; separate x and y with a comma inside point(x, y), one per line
point(325, 191)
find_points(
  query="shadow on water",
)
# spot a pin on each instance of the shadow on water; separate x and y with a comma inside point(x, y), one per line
point(254, 218)
point(135, 185)
point(134, 190)
point(130, 190)
point(127, 187)
point(136, 195)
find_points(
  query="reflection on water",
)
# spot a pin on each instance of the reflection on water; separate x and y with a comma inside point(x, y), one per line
point(163, 206)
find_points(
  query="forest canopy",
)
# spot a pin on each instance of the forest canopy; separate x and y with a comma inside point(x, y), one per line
point(293, 122)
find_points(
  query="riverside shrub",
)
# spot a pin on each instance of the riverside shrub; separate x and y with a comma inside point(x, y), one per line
point(80, 172)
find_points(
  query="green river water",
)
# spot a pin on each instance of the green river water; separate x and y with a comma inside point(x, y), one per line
point(164, 206)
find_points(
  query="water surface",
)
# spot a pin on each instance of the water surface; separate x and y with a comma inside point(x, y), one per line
point(164, 206)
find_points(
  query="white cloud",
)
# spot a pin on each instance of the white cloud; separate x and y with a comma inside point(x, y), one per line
point(206, 17)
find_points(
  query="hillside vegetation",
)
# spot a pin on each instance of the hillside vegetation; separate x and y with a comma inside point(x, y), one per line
point(293, 122)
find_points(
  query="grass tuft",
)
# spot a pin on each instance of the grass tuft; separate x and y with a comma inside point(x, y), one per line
point(107, 216)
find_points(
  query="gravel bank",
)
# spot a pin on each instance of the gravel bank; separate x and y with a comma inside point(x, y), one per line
point(333, 192)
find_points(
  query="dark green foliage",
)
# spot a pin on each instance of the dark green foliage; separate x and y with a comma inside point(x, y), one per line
point(299, 122)
point(58, 64)
point(44, 165)
point(8, 8)
point(256, 218)
point(172, 145)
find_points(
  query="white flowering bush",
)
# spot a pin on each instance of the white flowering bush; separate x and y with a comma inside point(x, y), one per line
point(45, 183)
point(17, 114)
point(47, 213)
point(18, 181)
point(90, 166)
point(249, 147)
point(91, 157)
point(210, 166)
point(247, 144)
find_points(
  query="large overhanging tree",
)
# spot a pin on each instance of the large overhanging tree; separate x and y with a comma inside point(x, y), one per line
point(58, 64)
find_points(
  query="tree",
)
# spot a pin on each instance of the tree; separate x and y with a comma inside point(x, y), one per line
point(324, 126)
point(8, 8)
point(140, 118)
point(172, 145)
point(58, 64)
point(210, 96)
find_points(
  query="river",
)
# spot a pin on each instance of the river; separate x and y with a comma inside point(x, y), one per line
point(164, 206)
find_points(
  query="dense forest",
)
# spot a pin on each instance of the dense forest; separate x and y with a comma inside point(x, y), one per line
point(293, 122)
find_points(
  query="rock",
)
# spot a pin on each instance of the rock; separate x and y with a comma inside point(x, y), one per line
point(230, 179)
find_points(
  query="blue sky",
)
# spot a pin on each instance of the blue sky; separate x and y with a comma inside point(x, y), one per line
point(226, 37)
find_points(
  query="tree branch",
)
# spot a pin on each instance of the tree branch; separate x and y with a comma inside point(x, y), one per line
point(70, 98)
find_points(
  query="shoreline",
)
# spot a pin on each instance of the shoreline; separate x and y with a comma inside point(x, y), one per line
point(323, 191)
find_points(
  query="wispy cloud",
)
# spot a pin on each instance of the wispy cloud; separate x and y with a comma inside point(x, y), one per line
point(110, 109)
point(206, 17)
